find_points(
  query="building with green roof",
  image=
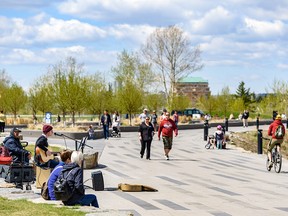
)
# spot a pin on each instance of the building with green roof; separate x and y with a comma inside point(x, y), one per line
point(193, 87)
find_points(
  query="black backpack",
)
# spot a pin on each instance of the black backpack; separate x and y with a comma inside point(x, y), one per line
point(62, 189)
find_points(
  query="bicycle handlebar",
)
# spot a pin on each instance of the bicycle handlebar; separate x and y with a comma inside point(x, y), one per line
point(265, 138)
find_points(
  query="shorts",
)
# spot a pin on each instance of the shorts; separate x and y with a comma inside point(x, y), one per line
point(167, 141)
point(274, 142)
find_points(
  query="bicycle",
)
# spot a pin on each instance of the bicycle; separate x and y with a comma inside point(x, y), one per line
point(276, 159)
point(210, 142)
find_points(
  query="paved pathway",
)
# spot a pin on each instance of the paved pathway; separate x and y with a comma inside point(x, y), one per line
point(195, 181)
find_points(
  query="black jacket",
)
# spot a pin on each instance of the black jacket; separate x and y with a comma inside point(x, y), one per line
point(146, 131)
point(108, 120)
point(15, 149)
point(75, 181)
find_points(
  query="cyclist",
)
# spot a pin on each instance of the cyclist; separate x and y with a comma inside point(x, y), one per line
point(276, 139)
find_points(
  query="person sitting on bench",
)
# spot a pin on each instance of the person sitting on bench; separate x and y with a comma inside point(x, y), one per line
point(43, 156)
point(16, 150)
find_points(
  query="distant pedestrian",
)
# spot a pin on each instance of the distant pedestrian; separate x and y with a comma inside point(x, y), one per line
point(106, 122)
point(166, 127)
point(245, 117)
point(116, 120)
point(176, 118)
point(219, 137)
point(154, 120)
point(91, 133)
point(146, 133)
point(143, 115)
point(163, 115)
point(2, 121)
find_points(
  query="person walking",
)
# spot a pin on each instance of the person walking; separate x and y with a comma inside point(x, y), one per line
point(176, 118)
point(116, 120)
point(106, 122)
point(2, 121)
point(277, 138)
point(166, 127)
point(245, 117)
point(143, 115)
point(154, 120)
point(146, 133)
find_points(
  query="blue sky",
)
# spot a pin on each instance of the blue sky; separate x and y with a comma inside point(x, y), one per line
point(240, 40)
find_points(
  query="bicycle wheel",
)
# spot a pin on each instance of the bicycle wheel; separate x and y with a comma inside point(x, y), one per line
point(208, 145)
point(278, 162)
point(267, 164)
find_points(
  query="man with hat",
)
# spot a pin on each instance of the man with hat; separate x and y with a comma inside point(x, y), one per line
point(16, 150)
point(275, 140)
point(143, 115)
point(42, 145)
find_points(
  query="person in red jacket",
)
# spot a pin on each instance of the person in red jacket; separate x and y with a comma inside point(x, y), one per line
point(166, 127)
point(275, 140)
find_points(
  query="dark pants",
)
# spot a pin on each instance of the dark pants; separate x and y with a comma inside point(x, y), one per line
point(49, 164)
point(2, 126)
point(106, 131)
point(145, 144)
point(89, 199)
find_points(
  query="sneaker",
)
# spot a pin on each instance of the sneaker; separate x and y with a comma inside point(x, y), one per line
point(167, 157)
point(270, 164)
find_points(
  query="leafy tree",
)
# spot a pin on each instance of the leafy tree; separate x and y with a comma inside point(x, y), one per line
point(154, 101)
point(96, 94)
point(172, 56)
point(244, 94)
point(38, 97)
point(70, 88)
point(224, 101)
point(207, 104)
point(130, 98)
point(130, 69)
point(179, 102)
point(14, 99)
point(4, 85)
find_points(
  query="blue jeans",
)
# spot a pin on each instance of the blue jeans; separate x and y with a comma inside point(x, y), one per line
point(106, 131)
point(89, 199)
point(219, 144)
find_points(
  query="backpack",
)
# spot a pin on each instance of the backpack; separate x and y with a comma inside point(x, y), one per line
point(279, 132)
point(62, 189)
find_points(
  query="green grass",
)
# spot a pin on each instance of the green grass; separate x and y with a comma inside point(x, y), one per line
point(23, 207)
point(31, 148)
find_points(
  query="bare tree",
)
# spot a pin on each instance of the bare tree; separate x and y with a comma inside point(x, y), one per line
point(173, 57)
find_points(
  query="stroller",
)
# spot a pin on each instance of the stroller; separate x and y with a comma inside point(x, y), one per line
point(115, 131)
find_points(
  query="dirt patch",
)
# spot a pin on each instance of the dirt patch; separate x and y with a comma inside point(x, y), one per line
point(249, 142)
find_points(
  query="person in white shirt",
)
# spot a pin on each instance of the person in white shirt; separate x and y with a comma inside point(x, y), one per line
point(143, 115)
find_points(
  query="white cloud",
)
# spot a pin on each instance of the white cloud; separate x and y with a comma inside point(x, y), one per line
point(265, 28)
point(57, 30)
point(216, 21)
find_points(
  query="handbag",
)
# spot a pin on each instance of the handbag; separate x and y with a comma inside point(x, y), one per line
point(44, 191)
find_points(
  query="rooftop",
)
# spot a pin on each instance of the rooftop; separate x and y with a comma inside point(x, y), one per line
point(192, 80)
